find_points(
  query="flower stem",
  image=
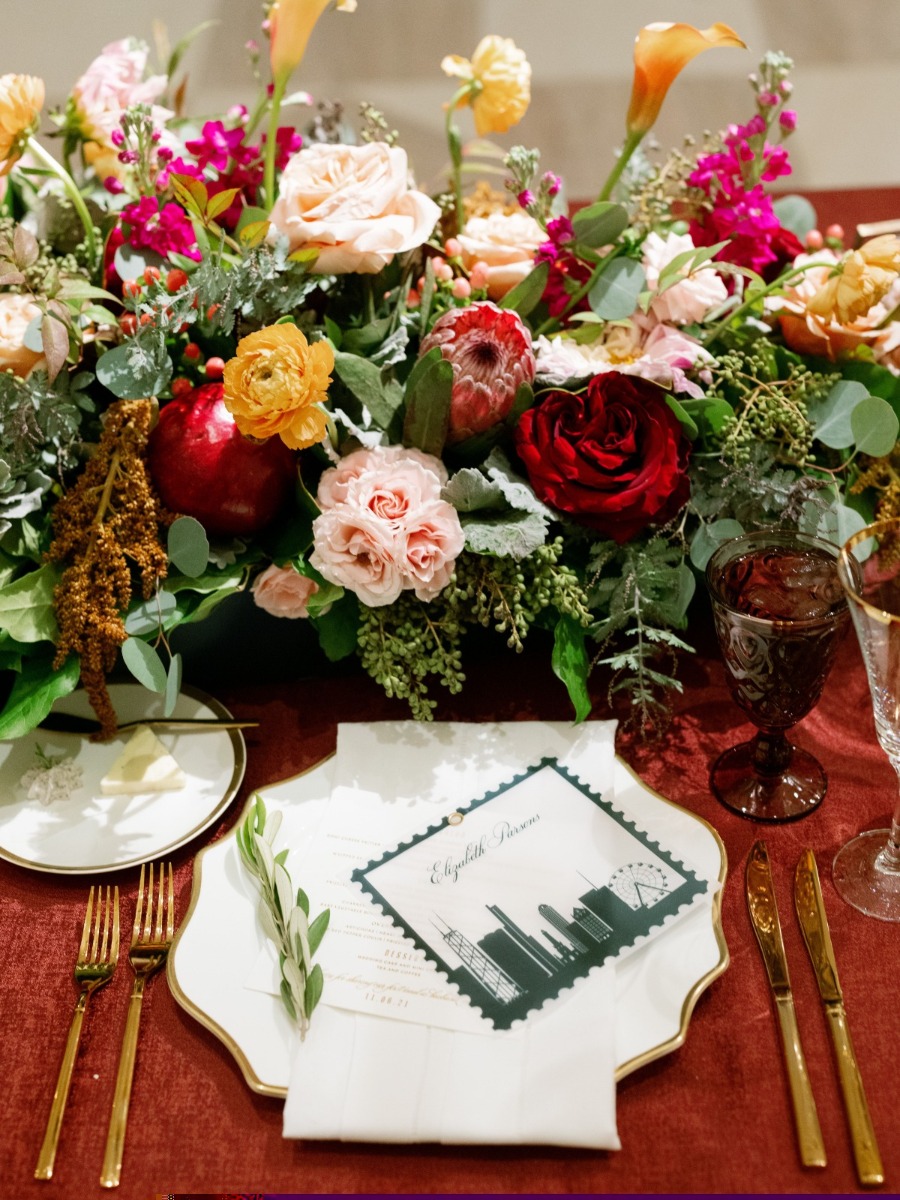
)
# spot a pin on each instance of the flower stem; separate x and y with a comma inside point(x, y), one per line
point(455, 148)
point(632, 141)
point(46, 159)
point(272, 140)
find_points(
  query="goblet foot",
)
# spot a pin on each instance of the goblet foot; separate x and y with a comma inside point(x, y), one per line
point(790, 793)
point(863, 878)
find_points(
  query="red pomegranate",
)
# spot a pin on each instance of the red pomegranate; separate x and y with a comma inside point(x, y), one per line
point(203, 467)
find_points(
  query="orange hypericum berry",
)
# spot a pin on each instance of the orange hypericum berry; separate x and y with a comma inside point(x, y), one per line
point(128, 323)
point(215, 367)
point(131, 287)
point(191, 351)
point(151, 274)
point(181, 385)
point(175, 280)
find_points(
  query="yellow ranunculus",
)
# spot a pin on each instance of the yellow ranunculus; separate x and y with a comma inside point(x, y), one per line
point(21, 100)
point(276, 383)
point(290, 24)
point(661, 51)
point(500, 83)
point(860, 280)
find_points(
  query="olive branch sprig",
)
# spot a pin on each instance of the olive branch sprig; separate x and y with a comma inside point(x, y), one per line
point(284, 920)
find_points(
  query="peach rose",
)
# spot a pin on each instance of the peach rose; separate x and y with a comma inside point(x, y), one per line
point(358, 551)
point(434, 541)
point(16, 314)
point(506, 243)
point(276, 384)
point(21, 100)
point(353, 204)
point(283, 592)
point(335, 481)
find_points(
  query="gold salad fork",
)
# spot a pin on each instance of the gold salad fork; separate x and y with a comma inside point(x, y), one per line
point(97, 957)
point(151, 938)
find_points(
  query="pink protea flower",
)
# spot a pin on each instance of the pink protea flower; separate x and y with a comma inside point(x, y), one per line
point(491, 354)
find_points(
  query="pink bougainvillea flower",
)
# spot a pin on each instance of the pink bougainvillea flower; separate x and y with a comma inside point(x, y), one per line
point(491, 354)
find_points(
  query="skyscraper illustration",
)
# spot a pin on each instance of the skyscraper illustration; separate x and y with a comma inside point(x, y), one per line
point(558, 921)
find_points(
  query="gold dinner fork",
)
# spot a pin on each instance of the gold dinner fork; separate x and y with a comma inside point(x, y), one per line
point(151, 938)
point(97, 957)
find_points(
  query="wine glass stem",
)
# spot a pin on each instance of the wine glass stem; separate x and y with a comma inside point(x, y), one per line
point(889, 857)
point(771, 752)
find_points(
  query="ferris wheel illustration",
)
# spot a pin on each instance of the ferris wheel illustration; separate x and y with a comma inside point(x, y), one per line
point(640, 885)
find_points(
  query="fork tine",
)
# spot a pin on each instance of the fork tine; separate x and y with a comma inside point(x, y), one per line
point(170, 922)
point(86, 932)
point(160, 905)
point(104, 948)
point(136, 931)
point(148, 915)
point(114, 948)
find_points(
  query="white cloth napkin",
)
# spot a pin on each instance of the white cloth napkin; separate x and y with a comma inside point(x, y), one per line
point(360, 1077)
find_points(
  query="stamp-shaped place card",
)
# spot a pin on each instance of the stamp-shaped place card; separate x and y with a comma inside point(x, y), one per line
point(518, 895)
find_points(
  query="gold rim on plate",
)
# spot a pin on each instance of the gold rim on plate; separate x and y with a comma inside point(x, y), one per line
point(627, 1068)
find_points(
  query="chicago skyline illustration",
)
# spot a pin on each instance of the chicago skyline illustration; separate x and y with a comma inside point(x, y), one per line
point(508, 972)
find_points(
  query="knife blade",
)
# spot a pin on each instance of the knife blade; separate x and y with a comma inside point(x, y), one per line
point(814, 923)
point(71, 723)
point(763, 911)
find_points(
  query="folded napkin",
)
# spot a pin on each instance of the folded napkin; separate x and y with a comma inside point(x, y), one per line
point(439, 1072)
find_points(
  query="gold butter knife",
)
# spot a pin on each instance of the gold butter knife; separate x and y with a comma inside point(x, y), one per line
point(767, 927)
point(814, 923)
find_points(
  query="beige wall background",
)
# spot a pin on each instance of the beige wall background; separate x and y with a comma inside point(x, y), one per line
point(846, 80)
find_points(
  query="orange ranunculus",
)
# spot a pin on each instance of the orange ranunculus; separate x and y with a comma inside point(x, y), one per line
point(276, 384)
point(859, 281)
point(499, 78)
point(290, 25)
point(661, 51)
point(21, 100)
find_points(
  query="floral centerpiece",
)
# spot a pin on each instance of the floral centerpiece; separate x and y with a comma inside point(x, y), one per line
point(241, 356)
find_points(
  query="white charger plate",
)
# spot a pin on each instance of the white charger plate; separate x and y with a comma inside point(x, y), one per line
point(219, 942)
point(92, 833)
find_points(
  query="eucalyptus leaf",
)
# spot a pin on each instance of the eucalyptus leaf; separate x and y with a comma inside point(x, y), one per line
point(615, 293)
point(709, 537)
point(147, 616)
point(830, 418)
point(796, 214)
point(875, 426)
point(131, 372)
point(144, 664)
point(527, 293)
point(188, 546)
point(599, 224)
point(173, 684)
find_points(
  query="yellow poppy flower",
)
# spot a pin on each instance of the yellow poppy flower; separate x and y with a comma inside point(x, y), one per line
point(499, 76)
point(21, 100)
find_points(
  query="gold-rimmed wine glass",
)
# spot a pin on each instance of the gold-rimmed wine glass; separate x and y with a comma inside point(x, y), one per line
point(866, 870)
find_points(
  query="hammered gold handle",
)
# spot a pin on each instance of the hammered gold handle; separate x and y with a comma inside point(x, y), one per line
point(115, 1138)
point(809, 1133)
point(865, 1147)
point(47, 1156)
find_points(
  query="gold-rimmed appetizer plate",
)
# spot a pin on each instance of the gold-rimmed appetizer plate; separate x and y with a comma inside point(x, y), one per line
point(88, 832)
point(213, 963)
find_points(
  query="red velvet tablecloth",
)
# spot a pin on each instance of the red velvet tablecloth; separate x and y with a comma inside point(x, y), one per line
point(714, 1116)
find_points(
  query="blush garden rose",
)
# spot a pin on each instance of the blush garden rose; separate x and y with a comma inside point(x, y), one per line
point(612, 457)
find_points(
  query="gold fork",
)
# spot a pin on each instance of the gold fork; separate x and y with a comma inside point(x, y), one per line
point(151, 938)
point(97, 957)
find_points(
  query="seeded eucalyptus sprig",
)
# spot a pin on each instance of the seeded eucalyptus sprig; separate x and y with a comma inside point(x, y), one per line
point(284, 922)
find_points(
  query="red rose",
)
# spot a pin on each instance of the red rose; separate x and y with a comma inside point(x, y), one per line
point(612, 457)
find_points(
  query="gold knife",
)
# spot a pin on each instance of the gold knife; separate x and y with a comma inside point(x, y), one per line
point(814, 923)
point(764, 918)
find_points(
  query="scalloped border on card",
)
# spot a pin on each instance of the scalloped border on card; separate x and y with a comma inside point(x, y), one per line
point(509, 968)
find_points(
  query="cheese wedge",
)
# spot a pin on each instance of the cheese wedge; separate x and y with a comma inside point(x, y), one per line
point(145, 765)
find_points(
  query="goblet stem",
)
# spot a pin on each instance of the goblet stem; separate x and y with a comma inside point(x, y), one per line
point(771, 751)
point(889, 858)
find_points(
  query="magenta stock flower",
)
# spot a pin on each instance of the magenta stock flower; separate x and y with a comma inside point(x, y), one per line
point(491, 354)
point(164, 229)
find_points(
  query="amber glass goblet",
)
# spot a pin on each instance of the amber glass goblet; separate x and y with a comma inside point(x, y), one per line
point(779, 612)
point(867, 870)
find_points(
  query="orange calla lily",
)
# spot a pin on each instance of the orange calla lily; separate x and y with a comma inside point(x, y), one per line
point(290, 24)
point(661, 51)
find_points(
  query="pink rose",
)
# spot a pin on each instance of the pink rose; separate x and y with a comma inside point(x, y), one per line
point(506, 243)
point(353, 204)
point(16, 314)
point(358, 551)
point(114, 82)
point(283, 592)
point(694, 295)
point(433, 543)
point(334, 482)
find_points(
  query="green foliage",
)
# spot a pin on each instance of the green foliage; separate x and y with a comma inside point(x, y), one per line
point(36, 687)
point(284, 914)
